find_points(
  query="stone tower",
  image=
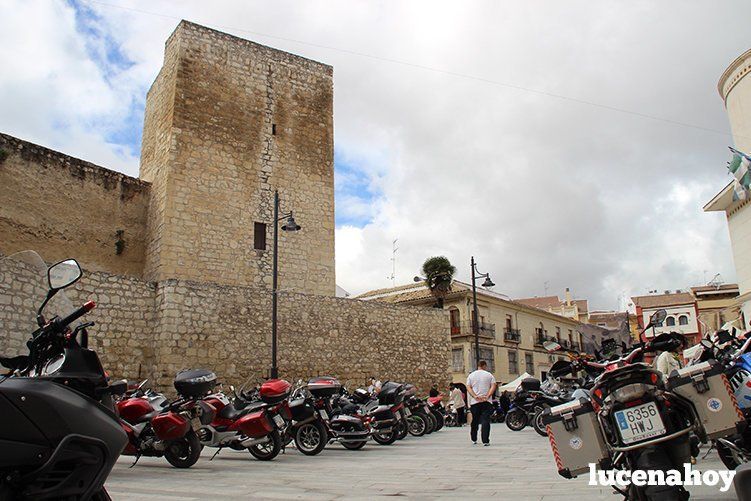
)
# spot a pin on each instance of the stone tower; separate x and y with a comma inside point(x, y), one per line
point(229, 121)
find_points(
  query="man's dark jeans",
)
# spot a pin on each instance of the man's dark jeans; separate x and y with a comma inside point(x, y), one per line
point(481, 413)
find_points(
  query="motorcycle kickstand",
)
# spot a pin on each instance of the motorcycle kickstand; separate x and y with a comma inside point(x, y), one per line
point(711, 448)
point(138, 456)
point(216, 453)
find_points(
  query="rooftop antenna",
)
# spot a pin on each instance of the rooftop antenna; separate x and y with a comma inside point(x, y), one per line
point(394, 248)
point(716, 281)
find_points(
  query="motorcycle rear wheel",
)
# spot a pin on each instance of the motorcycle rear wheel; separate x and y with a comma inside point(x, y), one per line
point(385, 438)
point(432, 423)
point(268, 450)
point(311, 438)
point(517, 420)
point(418, 424)
point(402, 430)
point(183, 452)
point(354, 446)
point(537, 422)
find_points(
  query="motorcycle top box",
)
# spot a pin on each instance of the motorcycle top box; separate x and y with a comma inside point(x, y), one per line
point(194, 383)
point(361, 396)
point(530, 384)
point(274, 391)
point(575, 437)
point(708, 389)
point(324, 387)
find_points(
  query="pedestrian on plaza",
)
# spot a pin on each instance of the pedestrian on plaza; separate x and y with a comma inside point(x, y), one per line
point(457, 399)
point(671, 359)
point(375, 386)
point(481, 387)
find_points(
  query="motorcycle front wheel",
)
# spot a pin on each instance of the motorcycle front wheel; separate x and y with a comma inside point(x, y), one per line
point(354, 446)
point(418, 424)
point(311, 438)
point(516, 420)
point(537, 422)
point(439, 419)
point(183, 452)
point(402, 430)
point(268, 450)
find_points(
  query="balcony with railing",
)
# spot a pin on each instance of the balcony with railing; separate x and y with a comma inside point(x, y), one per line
point(465, 329)
point(512, 335)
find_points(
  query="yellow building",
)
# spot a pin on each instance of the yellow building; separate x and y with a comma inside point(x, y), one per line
point(511, 333)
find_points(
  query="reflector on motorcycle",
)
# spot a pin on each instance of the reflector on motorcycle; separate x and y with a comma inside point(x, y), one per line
point(575, 437)
point(706, 386)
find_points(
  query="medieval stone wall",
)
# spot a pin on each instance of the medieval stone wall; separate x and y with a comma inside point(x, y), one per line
point(145, 329)
point(62, 206)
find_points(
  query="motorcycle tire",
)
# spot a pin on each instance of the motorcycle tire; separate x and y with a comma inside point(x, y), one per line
point(418, 423)
point(433, 425)
point(439, 418)
point(517, 420)
point(311, 438)
point(183, 452)
point(267, 450)
point(354, 446)
point(385, 438)
point(537, 422)
point(102, 495)
point(451, 421)
point(728, 458)
point(402, 430)
point(656, 458)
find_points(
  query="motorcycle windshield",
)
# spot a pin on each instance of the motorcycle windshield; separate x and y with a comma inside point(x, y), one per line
point(23, 288)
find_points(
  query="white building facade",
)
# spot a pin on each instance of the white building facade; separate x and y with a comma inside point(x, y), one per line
point(735, 89)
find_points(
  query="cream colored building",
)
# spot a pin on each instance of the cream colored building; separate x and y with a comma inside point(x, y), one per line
point(735, 90)
point(511, 333)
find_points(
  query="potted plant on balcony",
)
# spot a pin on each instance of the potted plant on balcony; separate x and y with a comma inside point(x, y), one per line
point(439, 273)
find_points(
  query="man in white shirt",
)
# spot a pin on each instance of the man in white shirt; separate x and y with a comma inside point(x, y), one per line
point(481, 388)
point(375, 386)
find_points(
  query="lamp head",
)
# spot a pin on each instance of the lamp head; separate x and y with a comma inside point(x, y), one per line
point(488, 282)
point(291, 225)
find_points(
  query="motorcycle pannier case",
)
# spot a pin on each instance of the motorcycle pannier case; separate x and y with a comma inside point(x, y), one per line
point(575, 437)
point(706, 386)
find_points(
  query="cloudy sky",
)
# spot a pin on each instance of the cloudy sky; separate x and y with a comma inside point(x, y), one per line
point(563, 144)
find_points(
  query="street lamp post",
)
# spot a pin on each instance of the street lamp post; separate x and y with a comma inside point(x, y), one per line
point(290, 225)
point(476, 321)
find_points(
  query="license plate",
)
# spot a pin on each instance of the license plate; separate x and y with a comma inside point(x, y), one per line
point(323, 414)
point(407, 412)
point(195, 423)
point(279, 421)
point(639, 423)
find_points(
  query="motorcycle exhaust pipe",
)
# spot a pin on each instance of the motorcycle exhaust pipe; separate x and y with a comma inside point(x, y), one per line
point(254, 441)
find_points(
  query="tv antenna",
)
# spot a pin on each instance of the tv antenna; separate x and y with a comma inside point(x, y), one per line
point(394, 248)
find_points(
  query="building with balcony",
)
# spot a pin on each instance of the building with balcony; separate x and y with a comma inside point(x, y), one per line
point(511, 333)
point(682, 314)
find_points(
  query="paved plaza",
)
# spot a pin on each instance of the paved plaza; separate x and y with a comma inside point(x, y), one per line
point(516, 466)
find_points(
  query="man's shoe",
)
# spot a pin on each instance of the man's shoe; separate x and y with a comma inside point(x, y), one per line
point(474, 442)
point(486, 444)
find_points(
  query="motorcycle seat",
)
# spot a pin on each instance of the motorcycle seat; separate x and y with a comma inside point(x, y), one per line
point(231, 413)
point(14, 363)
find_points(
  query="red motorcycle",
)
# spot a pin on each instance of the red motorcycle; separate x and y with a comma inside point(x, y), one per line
point(255, 426)
point(158, 428)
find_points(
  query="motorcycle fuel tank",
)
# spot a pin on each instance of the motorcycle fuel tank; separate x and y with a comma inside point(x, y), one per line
point(134, 410)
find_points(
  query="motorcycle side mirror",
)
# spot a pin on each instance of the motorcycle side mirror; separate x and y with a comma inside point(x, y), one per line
point(63, 274)
point(657, 318)
point(552, 346)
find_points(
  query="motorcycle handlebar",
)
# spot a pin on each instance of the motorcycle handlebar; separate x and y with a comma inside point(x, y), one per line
point(78, 313)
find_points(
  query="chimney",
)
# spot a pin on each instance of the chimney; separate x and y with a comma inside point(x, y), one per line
point(568, 297)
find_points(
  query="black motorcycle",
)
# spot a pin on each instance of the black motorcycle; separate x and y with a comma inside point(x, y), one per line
point(59, 437)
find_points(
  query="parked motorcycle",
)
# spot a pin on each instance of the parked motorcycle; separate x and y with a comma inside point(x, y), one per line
point(157, 427)
point(245, 423)
point(60, 436)
point(733, 352)
point(638, 420)
point(344, 421)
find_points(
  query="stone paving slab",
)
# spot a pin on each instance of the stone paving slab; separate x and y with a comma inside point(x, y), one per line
point(517, 466)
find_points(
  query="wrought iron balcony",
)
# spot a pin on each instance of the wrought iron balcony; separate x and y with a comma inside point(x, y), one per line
point(465, 329)
point(512, 335)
